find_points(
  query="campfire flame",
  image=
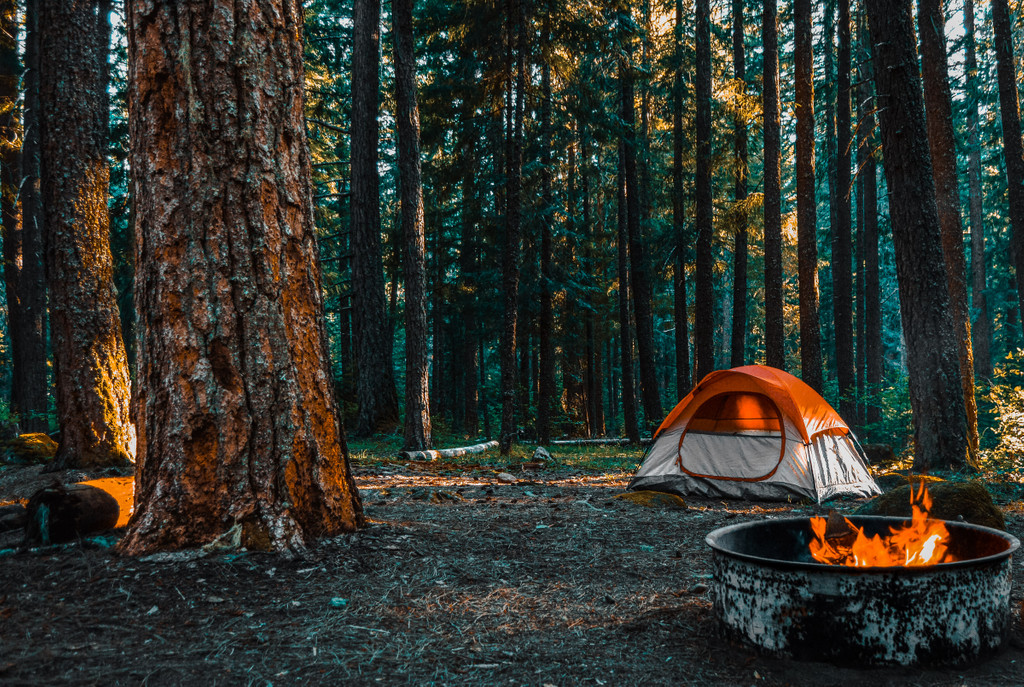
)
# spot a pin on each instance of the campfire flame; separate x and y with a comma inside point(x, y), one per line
point(837, 541)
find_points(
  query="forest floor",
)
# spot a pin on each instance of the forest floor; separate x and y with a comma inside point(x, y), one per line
point(460, 577)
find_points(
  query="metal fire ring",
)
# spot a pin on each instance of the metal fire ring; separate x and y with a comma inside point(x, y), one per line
point(768, 591)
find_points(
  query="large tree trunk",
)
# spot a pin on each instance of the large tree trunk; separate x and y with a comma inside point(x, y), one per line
point(678, 217)
point(30, 385)
point(93, 386)
point(625, 334)
point(739, 267)
point(703, 319)
point(375, 385)
point(239, 432)
point(931, 23)
point(842, 250)
point(1013, 149)
point(940, 427)
point(982, 326)
point(806, 204)
point(417, 402)
point(546, 382)
point(774, 333)
point(513, 232)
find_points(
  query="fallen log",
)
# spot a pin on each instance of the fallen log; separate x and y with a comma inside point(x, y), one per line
point(12, 517)
point(435, 454)
point(59, 514)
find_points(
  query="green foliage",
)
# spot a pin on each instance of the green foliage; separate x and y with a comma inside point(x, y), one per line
point(1001, 418)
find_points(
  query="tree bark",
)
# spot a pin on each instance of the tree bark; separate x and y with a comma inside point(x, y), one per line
point(774, 333)
point(931, 23)
point(842, 249)
point(806, 205)
point(375, 385)
point(739, 269)
point(640, 283)
point(625, 334)
point(982, 326)
point(30, 383)
point(239, 431)
point(417, 400)
point(703, 324)
point(513, 232)
point(1013, 149)
point(468, 268)
point(546, 383)
point(93, 386)
point(940, 427)
point(682, 337)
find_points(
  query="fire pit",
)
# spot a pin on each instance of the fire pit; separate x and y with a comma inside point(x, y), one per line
point(769, 591)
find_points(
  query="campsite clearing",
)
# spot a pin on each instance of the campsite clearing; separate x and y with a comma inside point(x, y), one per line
point(458, 579)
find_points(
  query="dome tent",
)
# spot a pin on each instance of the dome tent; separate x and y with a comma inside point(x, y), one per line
point(755, 432)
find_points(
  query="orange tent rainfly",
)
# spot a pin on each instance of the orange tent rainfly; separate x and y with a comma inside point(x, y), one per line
point(755, 432)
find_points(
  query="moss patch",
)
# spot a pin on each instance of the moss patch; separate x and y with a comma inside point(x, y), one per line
point(969, 501)
point(653, 499)
point(29, 449)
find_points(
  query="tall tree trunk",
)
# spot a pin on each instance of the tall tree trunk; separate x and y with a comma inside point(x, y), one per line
point(982, 326)
point(407, 115)
point(30, 385)
point(739, 270)
point(625, 335)
point(640, 280)
point(842, 249)
point(774, 334)
point(513, 233)
point(375, 385)
point(806, 205)
point(93, 386)
point(468, 268)
point(868, 178)
point(678, 216)
point(1013, 149)
point(940, 427)
point(239, 432)
point(931, 23)
point(546, 388)
point(10, 217)
point(705, 294)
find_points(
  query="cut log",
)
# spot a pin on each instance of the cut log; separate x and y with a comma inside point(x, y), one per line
point(435, 454)
point(12, 517)
point(59, 514)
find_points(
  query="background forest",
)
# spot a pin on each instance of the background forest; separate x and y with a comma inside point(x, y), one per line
point(594, 202)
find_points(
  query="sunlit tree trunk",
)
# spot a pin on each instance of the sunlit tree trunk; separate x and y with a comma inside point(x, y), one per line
point(774, 334)
point(940, 427)
point(92, 382)
point(375, 385)
point(1013, 149)
point(703, 320)
point(239, 434)
point(806, 205)
point(982, 326)
point(931, 23)
point(739, 277)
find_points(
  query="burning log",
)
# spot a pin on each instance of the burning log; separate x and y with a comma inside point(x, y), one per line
point(435, 454)
point(58, 514)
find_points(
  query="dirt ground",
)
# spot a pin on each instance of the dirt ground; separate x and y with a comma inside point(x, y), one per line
point(459, 578)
